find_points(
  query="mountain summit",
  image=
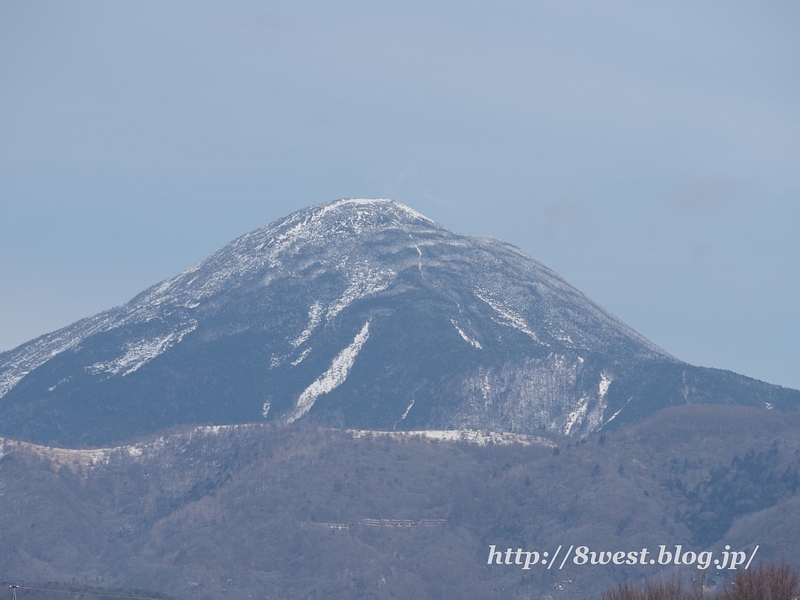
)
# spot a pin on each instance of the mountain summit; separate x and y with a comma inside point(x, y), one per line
point(354, 313)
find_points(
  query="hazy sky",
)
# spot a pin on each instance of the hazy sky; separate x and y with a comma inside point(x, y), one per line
point(648, 152)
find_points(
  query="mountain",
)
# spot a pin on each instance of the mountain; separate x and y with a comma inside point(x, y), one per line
point(361, 314)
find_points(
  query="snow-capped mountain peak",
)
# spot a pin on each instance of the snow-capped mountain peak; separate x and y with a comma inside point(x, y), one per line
point(361, 313)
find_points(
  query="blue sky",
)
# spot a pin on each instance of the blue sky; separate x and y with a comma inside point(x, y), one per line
point(648, 152)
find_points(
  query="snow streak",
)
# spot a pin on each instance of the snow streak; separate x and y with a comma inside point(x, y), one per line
point(332, 378)
point(469, 340)
point(364, 281)
point(314, 318)
point(137, 355)
point(509, 317)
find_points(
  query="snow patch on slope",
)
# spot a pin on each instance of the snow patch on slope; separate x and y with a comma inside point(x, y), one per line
point(470, 436)
point(266, 251)
point(29, 357)
point(595, 418)
point(371, 203)
point(140, 353)
point(576, 416)
point(614, 416)
point(405, 414)
point(523, 395)
point(300, 358)
point(332, 378)
point(507, 316)
point(314, 318)
point(580, 413)
point(605, 382)
point(468, 339)
point(363, 281)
